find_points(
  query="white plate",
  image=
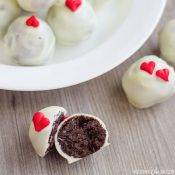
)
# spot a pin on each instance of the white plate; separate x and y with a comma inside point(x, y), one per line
point(124, 26)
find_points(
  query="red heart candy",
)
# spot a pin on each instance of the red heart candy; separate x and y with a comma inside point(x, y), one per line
point(32, 21)
point(163, 74)
point(40, 121)
point(73, 4)
point(148, 67)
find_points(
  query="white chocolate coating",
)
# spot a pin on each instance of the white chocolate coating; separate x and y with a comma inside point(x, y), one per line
point(61, 2)
point(97, 3)
point(144, 90)
point(71, 159)
point(72, 27)
point(28, 45)
point(36, 5)
point(40, 139)
point(167, 42)
point(9, 10)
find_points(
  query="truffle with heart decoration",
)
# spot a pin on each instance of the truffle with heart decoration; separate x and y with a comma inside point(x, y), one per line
point(73, 21)
point(149, 81)
point(74, 137)
point(44, 127)
point(30, 41)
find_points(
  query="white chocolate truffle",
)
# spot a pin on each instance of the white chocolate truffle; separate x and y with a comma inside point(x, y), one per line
point(9, 10)
point(149, 81)
point(167, 42)
point(36, 5)
point(75, 132)
point(44, 127)
point(72, 26)
point(30, 44)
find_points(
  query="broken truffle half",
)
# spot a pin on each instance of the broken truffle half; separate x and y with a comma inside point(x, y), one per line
point(79, 136)
point(44, 127)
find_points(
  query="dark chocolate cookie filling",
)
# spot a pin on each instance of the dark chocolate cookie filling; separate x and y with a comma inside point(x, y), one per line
point(59, 119)
point(81, 136)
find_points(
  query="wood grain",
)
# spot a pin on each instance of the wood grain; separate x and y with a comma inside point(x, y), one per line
point(140, 139)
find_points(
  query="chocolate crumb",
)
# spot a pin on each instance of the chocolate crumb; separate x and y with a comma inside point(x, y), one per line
point(59, 119)
point(81, 136)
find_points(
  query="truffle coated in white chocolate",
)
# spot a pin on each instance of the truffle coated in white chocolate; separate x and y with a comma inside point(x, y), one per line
point(71, 159)
point(167, 42)
point(145, 90)
point(72, 27)
point(40, 139)
point(9, 10)
point(36, 5)
point(29, 45)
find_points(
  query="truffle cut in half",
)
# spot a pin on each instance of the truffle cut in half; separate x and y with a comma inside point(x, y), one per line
point(79, 136)
point(44, 127)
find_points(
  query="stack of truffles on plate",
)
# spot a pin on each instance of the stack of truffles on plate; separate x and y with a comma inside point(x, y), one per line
point(74, 137)
point(31, 40)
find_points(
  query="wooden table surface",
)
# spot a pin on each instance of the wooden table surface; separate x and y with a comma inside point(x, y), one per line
point(141, 140)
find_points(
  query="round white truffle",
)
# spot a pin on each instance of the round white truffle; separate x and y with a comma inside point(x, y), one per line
point(30, 45)
point(167, 42)
point(43, 128)
point(69, 158)
point(9, 10)
point(149, 81)
point(36, 5)
point(72, 26)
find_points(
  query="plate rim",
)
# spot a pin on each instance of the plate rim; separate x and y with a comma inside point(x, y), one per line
point(33, 78)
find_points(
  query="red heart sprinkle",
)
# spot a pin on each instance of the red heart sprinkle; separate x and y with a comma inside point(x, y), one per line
point(73, 4)
point(148, 67)
point(40, 121)
point(32, 21)
point(163, 74)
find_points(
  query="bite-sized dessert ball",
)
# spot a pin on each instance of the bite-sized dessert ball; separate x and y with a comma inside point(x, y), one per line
point(36, 5)
point(167, 42)
point(30, 41)
point(79, 136)
point(149, 81)
point(73, 21)
point(9, 10)
point(44, 127)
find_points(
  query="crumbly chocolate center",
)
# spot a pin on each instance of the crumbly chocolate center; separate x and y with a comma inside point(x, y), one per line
point(51, 142)
point(81, 136)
